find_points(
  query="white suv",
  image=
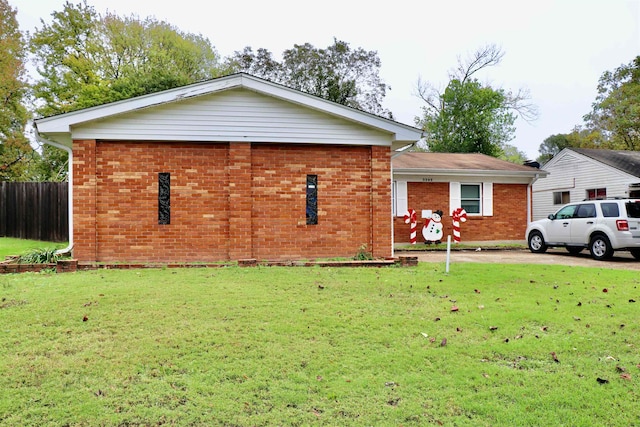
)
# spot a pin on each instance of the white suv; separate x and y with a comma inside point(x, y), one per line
point(603, 226)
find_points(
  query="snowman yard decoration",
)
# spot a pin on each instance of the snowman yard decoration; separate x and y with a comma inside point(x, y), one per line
point(432, 230)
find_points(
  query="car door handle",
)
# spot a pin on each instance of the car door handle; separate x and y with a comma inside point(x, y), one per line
point(589, 222)
point(565, 223)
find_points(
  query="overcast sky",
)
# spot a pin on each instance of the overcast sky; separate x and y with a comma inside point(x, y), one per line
point(556, 49)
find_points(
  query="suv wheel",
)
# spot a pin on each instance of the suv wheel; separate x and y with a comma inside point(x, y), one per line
point(600, 247)
point(536, 243)
point(635, 253)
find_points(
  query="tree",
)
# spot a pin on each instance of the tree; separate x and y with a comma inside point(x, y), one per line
point(15, 150)
point(616, 110)
point(578, 138)
point(511, 154)
point(86, 59)
point(338, 73)
point(471, 117)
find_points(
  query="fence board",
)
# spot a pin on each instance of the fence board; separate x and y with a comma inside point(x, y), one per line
point(35, 210)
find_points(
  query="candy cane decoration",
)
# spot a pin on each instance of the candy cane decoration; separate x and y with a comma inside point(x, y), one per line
point(412, 217)
point(459, 215)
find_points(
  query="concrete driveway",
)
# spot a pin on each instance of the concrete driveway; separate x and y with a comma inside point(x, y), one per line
point(620, 260)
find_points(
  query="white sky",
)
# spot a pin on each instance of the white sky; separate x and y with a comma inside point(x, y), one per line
point(556, 49)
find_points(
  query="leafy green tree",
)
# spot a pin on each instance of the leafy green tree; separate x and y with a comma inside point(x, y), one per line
point(337, 73)
point(469, 116)
point(511, 154)
point(15, 150)
point(578, 138)
point(616, 110)
point(86, 59)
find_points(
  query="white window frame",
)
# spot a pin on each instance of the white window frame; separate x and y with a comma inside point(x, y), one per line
point(486, 197)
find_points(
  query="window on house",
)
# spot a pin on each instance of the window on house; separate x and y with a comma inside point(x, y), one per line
point(312, 199)
point(164, 198)
point(560, 197)
point(470, 198)
point(597, 193)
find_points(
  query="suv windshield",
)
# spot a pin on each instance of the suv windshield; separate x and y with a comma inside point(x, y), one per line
point(633, 209)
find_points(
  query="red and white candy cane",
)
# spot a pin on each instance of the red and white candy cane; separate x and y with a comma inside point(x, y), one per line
point(412, 217)
point(458, 215)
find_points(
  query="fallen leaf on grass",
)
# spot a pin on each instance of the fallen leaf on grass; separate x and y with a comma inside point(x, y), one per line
point(621, 368)
point(444, 342)
point(454, 308)
point(85, 318)
point(493, 328)
point(625, 377)
point(555, 357)
point(424, 335)
point(605, 290)
point(476, 291)
point(602, 380)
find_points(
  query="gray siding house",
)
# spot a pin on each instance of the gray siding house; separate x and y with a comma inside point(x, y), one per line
point(579, 173)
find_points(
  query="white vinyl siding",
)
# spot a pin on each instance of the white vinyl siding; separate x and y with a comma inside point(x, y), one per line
point(574, 173)
point(484, 195)
point(232, 116)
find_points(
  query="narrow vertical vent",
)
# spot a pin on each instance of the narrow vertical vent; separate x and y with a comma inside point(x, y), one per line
point(164, 198)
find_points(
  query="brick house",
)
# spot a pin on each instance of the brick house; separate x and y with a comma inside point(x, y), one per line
point(231, 168)
point(496, 194)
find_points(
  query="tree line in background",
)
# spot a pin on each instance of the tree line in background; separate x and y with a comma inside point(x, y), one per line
point(84, 59)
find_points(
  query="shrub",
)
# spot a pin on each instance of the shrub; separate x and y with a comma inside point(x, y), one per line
point(40, 256)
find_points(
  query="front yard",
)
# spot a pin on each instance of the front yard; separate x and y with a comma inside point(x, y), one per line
point(484, 345)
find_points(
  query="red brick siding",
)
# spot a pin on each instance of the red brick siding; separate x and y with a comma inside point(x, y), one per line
point(279, 200)
point(508, 222)
point(228, 201)
point(127, 207)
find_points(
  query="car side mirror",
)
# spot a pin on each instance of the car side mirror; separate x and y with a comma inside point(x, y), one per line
point(552, 217)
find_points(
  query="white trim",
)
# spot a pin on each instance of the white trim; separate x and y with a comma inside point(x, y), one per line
point(401, 199)
point(61, 127)
point(455, 196)
point(487, 199)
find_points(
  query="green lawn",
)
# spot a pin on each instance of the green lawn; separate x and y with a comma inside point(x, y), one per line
point(11, 246)
point(272, 346)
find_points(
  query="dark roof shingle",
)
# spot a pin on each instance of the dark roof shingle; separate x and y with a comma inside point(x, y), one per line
point(626, 161)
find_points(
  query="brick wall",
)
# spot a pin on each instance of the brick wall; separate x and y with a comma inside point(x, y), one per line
point(509, 220)
point(228, 201)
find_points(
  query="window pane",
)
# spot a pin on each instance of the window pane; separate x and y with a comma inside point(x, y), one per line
point(164, 198)
point(471, 206)
point(312, 199)
point(470, 191)
point(610, 210)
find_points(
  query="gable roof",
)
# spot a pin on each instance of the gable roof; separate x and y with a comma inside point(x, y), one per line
point(60, 128)
point(625, 161)
point(460, 164)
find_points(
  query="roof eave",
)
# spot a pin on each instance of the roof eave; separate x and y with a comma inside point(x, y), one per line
point(469, 172)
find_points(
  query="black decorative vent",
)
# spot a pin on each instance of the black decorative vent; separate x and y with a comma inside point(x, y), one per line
point(164, 198)
point(312, 199)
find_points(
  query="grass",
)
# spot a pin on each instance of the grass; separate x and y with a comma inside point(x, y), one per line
point(11, 246)
point(321, 346)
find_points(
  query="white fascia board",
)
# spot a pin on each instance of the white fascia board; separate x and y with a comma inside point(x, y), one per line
point(400, 131)
point(471, 172)
point(63, 123)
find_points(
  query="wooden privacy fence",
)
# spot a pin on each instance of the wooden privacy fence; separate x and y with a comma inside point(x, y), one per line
point(35, 210)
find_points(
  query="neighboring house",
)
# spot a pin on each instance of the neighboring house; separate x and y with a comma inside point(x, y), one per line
point(495, 194)
point(232, 168)
point(577, 174)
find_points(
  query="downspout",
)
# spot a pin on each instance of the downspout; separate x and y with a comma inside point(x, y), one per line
point(530, 197)
point(69, 151)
